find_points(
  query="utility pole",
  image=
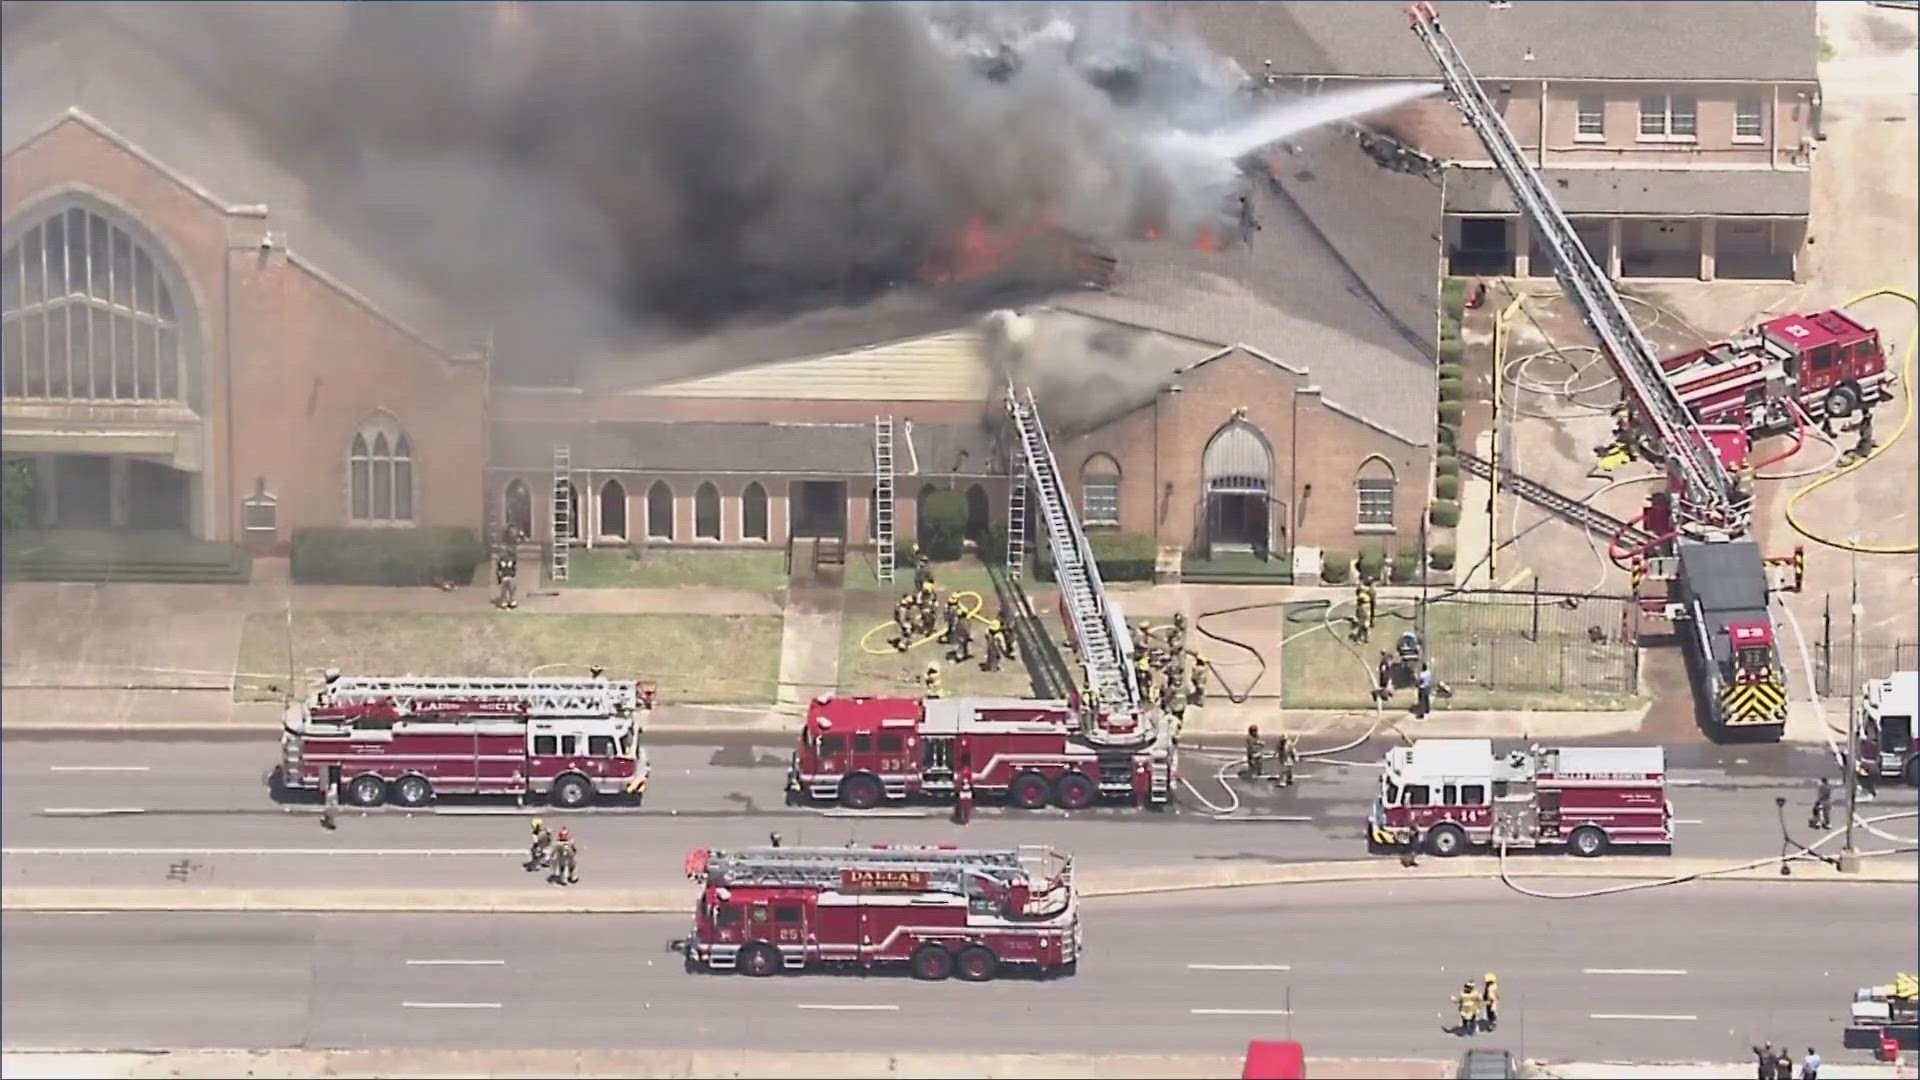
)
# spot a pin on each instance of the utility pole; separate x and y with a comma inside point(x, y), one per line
point(1849, 862)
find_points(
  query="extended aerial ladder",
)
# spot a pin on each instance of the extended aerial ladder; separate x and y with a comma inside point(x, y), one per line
point(1115, 707)
point(545, 698)
point(934, 869)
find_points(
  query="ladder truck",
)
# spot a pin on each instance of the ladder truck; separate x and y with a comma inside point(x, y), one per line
point(1700, 523)
point(405, 740)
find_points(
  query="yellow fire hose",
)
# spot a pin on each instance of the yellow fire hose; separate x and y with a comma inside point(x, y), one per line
point(970, 605)
point(1906, 379)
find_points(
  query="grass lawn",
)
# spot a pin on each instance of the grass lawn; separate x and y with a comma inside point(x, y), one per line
point(1483, 651)
point(667, 568)
point(731, 659)
point(888, 672)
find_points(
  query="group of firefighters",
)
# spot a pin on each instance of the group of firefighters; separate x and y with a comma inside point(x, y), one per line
point(555, 852)
point(1479, 1005)
point(1169, 675)
point(924, 613)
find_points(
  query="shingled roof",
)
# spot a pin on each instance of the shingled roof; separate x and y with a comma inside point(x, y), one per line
point(754, 449)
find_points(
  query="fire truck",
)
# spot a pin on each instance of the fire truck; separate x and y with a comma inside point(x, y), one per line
point(864, 751)
point(1888, 710)
point(1460, 793)
point(406, 740)
point(1828, 364)
point(941, 911)
point(1716, 597)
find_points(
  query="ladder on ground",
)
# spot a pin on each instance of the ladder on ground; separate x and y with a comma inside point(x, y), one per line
point(1085, 595)
point(883, 497)
point(1583, 514)
point(1709, 494)
point(822, 868)
point(562, 511)
point(1017, 518)
point(557, 697)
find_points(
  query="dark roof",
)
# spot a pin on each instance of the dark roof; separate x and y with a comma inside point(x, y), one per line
point(706, 448)
point(1668, 40)
point(1730, 581)
point(1650, 192)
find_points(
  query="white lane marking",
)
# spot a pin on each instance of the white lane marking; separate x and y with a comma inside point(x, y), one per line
point(1688, 821)
point(99, 768)
point(1639, 1016)
point(456, 963)
point(486, 811)
point(90, 811)
point(1239, 967)
point(1633, 971)
point(874, 813)
point(125, 851)
point(849, 1008)
point(1241, 1012)
point(1671, 782)
point(1261, 817)
point(449, 1004)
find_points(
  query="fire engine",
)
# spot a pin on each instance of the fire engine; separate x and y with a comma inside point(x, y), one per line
point(941, 911)
point(406, 740)
point(1888, 711)
point(1460, 793)
point(864, 751)
point(1827, 363)
point(1717, 597)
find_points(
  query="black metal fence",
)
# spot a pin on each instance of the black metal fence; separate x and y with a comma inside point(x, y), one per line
point(1522, 641)
point(1834, 658)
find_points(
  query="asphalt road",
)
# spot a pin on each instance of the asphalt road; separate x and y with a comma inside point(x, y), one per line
point(1692, 972)
point(103, 814)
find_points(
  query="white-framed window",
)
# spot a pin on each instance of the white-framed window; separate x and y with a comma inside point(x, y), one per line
point(1373, 488)
point(1749, 119)
point(1669, 118)
point(380, 473)
point(1100, 491)
point(1590, 118)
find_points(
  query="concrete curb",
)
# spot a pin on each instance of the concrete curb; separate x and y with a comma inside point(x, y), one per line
point(1093, 886)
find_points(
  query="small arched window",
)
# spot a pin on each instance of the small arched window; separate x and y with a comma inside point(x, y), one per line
point(380, 473)
point(706, 512)
point(660, 511)
point(1373, 486)
point(1100, 490)
point(753, 512)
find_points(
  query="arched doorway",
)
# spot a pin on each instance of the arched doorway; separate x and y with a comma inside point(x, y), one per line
point(979, 514)
point(753, 512)
point(613, 510)
point(1237, 474)
point(517, 508)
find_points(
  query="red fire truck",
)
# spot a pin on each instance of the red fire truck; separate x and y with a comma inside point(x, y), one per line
point(1458, 792)
point(405, 740)
point(867, 750)
point(942, 911)
point(1829, 363)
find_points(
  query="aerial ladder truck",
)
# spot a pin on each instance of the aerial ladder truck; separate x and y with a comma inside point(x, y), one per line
point(1700, 523)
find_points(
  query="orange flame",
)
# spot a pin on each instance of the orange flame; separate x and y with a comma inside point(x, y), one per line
point(1205, 240)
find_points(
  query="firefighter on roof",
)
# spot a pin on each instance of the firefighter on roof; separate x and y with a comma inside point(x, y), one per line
point(541, 850)
point(566, 859)
point(930, 683)
point(1468, 1001)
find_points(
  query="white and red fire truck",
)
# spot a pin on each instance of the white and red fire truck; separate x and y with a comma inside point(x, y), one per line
point(864, 751)
point(406, 740)
point(942, 911)
point(1460, 793)
point(1828, 363)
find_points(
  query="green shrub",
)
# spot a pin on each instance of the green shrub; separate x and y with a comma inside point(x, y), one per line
point(1440, 556)
point(1445, 513)
point(1452, 371)
point(1335, 567)
point(1452, 390)
point(1451, 350)
point(1373, 558)
point(943, 525)
point(336, 555)
point(1453, 294)
point(1120, 557)
point(1447, 435)
point(1450, 413)
point(1446, 487)
point(1446, 465)
point(1405, 567)
point(1449, 329)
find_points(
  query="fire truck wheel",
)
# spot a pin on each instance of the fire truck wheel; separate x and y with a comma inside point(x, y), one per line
point(1840, 402)
point(977, 963)
point(759, 961)
point(571, 792)
point(1075, 792)
point(1028, 791)
point(932, 963)
point(1446, 841)
point(367, 791)
point(1588, 842)
point(861, 792)
point(412, 791)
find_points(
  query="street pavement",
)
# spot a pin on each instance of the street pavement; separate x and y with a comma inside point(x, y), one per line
point(1686, 973)
point(144, 814)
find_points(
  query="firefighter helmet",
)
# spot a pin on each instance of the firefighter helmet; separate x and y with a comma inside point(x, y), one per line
point(1490, 979)
point(538, 824)
point(1253, 729)
point(933, 669)
point(563, 834)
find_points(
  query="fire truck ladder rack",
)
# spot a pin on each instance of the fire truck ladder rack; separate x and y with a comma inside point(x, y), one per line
point(562, 511)
point(547, 698)
point(1709, 494)
point(947, 871)
point(1079, 579)
point(883, 497)
point(1017, 518)
point(1602, 525)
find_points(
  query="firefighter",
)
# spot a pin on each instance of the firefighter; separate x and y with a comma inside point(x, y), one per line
point(1143, 673)
point(1287, 752)
point(1863, 449)
point(506, 568)
point(330, 799)
point(540, 851)
point(1006, 632)
point(1383, 671)
point(903, 623)
point(1256, 751)
point(566, 859)
point(1468, 1001)
point(922, 573)
point(1362, 612)
point(963, 791)
point(1490, 1003)
point(929, 610)
point(930, 682)
point(1197, 682)
point(1174, 700)
point(962, 639)
point(995, 652)
point(1410, 852)
point(1177, 637)
point(950, 617)
point(1822, 815)
point(773, 839)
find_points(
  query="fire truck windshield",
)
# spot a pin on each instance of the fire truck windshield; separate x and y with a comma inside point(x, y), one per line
point(1389, 791)
point(1755, 658)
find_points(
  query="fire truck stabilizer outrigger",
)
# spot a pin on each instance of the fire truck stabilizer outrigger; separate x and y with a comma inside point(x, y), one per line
point(408, 739)
point(940, 911)
point(1717, 574)
point(1103, 743)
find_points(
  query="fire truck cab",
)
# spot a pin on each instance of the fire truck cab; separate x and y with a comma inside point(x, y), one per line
point(1828, 363)
point(1888, 711)
point(1459, 793)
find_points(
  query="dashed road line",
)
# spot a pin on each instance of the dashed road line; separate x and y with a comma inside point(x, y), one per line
point(122, 852)
point(99, 768)
point(1640, 1016)
point(1239, 967)
point(1262, 817)
point(90, 811)
point(456, 963)
point(847, 1008)
point(450, 1005)
point(874, 813)
point(1633, 971)
point(1241, 1012)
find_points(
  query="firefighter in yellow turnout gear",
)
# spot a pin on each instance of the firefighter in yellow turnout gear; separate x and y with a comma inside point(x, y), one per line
point(930, 683)
point(540, 851)
point(1468, 1002)
point(1489, 1003)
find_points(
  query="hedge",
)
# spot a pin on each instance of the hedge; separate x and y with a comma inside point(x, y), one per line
point(336, 555)
point(1446, 465)
point(1441, 556)
point(1373, 558)
point(943, 525)
point(1405, 567)
point(1449, 329)
point(1452, 390)
point(1451, 350)
point(1335, 567)
point(1120, 557)
point(1453, 294)
point(1446, 487)
point(1445, 513)
point(1450, 412)
point(1452, 371)
point(1448, 435)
